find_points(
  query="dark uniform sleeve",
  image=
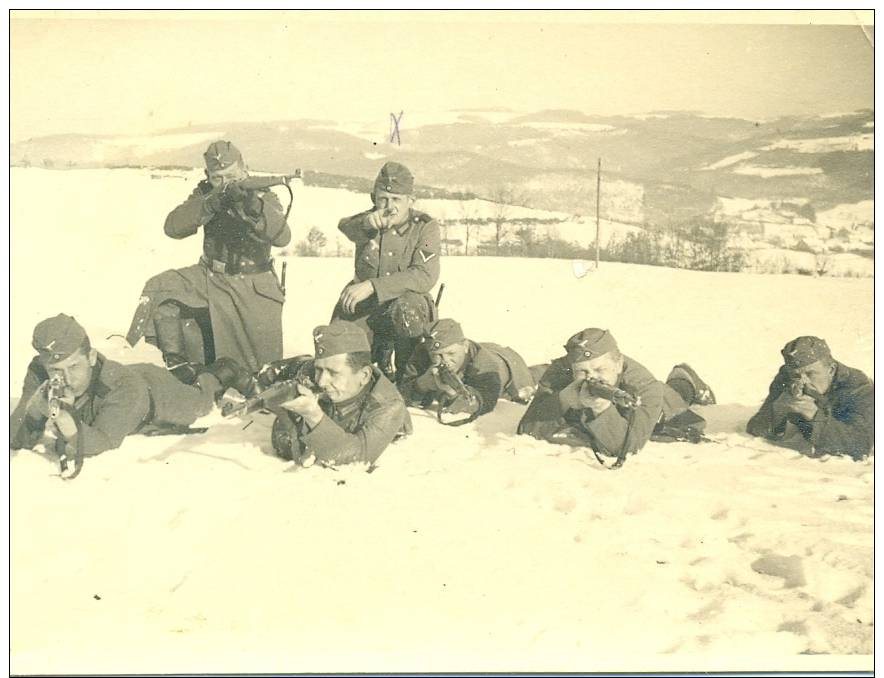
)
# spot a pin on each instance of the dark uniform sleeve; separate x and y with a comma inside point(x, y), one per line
point(25, 431)
point(357, 229)
point(847, 425)
point(486, 387)
point(184, 220)
point(417, 384)
point(763, 424)
point(333, 445)
point(270, 223)
point(121, 412)
point(544, 416)
point(423, 269)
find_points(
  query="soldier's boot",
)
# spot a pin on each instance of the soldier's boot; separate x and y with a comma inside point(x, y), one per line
point(689, 386)
point(230, 374)
point(383, 358)
point(170, 340)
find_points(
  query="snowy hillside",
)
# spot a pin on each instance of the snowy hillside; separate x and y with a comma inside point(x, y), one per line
point(468, 548)
point(656, 167)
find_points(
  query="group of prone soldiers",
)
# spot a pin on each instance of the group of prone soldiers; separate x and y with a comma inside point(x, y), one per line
point(218, 325)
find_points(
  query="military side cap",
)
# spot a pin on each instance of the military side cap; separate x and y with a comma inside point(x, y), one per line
point(442, 333)
point(341, 336)
point(394, 178)
point(805, 350)
point(589, 343)
point(221, 155)
point(57, 338)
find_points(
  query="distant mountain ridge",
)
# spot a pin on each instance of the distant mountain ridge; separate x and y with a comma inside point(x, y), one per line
point(672, 165)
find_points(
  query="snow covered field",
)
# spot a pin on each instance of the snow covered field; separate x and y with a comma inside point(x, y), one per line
point(468, 548)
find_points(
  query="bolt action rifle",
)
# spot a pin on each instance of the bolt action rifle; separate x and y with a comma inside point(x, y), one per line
point(618, 396)
point(454, 382)
point(280, 380)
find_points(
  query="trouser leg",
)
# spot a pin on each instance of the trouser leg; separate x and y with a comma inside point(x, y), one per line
point(170, 338)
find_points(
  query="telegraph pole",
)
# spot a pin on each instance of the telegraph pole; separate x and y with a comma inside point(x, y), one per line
point(598, 191)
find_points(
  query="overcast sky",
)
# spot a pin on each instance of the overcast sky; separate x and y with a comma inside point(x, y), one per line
point(124, 75)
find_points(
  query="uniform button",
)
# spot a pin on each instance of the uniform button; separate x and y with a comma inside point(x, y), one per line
point(389, 254)
point(387, 273)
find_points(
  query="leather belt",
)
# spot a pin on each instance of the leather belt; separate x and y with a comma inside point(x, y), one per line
point(244, 267)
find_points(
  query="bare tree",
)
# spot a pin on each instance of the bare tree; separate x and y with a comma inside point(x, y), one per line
point(503, 197)
point(467, 218)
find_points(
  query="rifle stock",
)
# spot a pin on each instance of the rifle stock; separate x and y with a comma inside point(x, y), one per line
point(272, 396)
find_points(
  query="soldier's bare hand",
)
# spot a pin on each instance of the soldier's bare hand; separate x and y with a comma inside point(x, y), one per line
point(382, 219)
point(591, 402)
point(803, 405)
point(354, 294)
point(440, 384)
point(306, 405)
point(569, 397)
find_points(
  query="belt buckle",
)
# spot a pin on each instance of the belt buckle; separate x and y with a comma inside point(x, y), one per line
point(219, 266)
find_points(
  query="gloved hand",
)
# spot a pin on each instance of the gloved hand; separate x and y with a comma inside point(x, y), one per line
point(212, 203)
point(251, 204)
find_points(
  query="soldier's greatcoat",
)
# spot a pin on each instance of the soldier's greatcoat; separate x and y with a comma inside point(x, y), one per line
point(244, 308)
point(844, 421)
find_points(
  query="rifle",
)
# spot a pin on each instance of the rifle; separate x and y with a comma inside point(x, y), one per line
point(54, 393)
point(268, 182)
point(618, 396)
point(270, 398)
point(451, 380)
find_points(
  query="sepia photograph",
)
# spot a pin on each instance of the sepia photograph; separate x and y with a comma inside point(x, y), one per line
point(399, 340)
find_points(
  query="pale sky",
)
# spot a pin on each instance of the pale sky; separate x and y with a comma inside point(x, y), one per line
point(118, 74)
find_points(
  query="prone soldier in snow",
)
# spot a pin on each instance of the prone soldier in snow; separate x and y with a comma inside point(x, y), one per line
point(584, 399)
point(817, 404)
point(464, 376)
point(230, 303)
point(397, 264)
point(90, 404)
point(351, 414)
